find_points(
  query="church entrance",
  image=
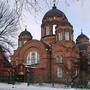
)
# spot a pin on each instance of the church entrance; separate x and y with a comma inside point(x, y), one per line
point(20, 77)
point(20, 73)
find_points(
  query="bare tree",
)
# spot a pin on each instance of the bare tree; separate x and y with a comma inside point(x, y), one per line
point(38, 5)
point(9, 18)
point(8, 25)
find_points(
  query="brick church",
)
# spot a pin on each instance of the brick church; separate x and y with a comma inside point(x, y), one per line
point(54, 57)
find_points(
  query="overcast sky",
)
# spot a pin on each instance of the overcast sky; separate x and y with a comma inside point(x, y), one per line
point(77, 12)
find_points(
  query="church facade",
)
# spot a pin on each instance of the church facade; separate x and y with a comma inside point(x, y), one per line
point(54, 57)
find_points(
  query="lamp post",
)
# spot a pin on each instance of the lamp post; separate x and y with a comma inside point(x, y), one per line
point(50, 77)
point(50, 74)
point(29, 75)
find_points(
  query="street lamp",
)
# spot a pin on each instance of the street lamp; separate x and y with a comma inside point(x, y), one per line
point(29, 75)
point(48, 49)
point(50, 78)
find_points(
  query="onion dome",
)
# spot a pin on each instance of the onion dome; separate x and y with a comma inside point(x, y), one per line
point(25, 34)
point(54, 12)
point(82, 38)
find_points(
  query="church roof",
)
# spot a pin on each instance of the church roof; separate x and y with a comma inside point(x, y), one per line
point(25, 32)
point(82, 36)
point(54, 12)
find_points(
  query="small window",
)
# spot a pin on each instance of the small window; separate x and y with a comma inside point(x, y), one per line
point(60, 36)
point(59, 59)
point(59, 72)
point(66, 35)
point(47, 30)
point(54, 26)
point(19, 44)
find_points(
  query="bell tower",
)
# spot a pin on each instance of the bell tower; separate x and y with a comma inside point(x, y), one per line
point(24, 37)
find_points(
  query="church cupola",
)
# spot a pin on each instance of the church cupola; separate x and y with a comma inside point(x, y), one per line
point(24, 37)
point(64, 31)
point(82, 39)
point(49, 22)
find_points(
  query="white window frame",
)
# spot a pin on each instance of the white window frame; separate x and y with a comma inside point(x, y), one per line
point(19, 43)
point(54, 26)
point(47, 30)
point(59, 59)
point(59, 72)
point(32, 60)
point(66, 35)
point(60, 36)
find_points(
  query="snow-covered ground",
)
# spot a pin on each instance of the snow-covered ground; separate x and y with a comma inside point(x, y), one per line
point(23, 86)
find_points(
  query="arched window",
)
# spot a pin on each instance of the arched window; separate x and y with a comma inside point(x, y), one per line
point(47, 30)
point(32, 58)
point(59, 59)
point(19, 43)
point(59, 72)
point(60, 36)
point(54, 26)
point(66, 35)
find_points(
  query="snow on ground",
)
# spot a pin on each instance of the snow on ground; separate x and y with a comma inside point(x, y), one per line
point(23, 86)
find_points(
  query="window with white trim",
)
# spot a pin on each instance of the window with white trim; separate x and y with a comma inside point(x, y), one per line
point(59, 72)
point(19, 43)
point(54, 26)
point(66, 35)
point(60, 36)
point(47, 30)
point(59, 59)
point(32, 58)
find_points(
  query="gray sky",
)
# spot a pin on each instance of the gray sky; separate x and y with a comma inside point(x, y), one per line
point(76, 11)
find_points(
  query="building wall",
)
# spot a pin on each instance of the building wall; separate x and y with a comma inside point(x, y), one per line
point(65, 49)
